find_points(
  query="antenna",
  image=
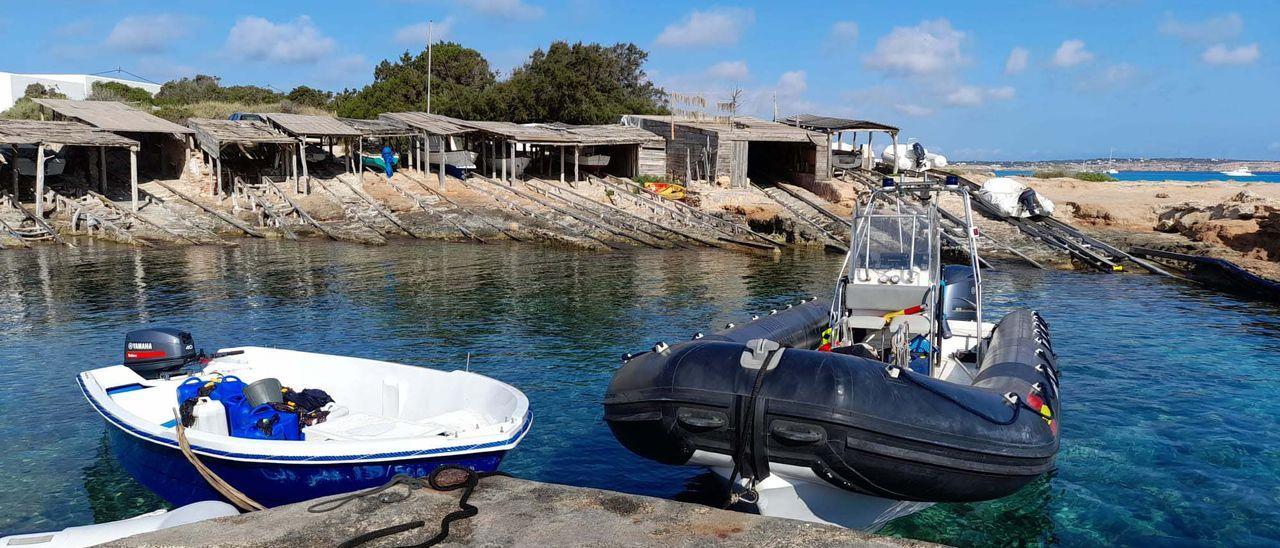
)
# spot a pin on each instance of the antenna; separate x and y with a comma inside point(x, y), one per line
point(430, 39)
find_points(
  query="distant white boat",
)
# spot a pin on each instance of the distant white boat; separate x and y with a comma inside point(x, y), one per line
point(912, 157)
point(1238, 172)
point(1112, 171)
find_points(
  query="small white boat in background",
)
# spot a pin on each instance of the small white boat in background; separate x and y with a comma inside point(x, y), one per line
point(92, 535)
point(1112, 171)
point(1242, 171)
point(913, 157)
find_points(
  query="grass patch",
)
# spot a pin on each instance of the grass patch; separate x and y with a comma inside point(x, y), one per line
point(1081, 175)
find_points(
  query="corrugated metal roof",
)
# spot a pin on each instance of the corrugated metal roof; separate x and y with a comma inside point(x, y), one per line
point(828, 123)
point(431, 123)
point(112, 116)
point(31, 132)
point(306, 124)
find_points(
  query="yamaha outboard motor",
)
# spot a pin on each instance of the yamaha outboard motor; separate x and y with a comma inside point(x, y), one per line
point(153, 353)
point(1030, 203)
point(920, 154)
point(959, 298)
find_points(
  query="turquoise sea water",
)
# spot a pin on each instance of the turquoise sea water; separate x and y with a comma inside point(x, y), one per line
point(1192, 176)
point(1170, 391)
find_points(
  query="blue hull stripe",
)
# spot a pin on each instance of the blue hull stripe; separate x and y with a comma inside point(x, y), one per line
point(121, 424)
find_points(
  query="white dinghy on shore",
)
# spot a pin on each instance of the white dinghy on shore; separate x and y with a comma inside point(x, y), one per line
point(91, 535)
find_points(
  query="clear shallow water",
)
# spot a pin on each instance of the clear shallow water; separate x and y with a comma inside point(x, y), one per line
point(1169, 425)
point(1192, 176)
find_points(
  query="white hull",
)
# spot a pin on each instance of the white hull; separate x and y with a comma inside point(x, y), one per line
point(795, 492)
point(91, 535)
point(461, 159)
point(1232, 173)
point(52, 166)
point(905, 158)
point(520, 163)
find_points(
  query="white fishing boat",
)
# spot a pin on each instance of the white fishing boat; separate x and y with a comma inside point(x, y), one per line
point(1242, 171)
point(593, 160)
point(461, 159)
point(381, 419)
point(99, 533)
point(518, 167)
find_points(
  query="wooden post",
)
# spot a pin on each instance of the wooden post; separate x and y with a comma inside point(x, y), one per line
point(502, 161)
point(133, 175)
point(39, 178)
point(513, 161)
point(894, 138)
point(562, 163)
point(217, 177)
point(102, 170)
point(576, 150)
point(360, 155)
point(830, 171)
point(302, 159)
point(13, 168)
point(442, 149)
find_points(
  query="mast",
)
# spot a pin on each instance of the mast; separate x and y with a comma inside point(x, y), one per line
point(430, 39)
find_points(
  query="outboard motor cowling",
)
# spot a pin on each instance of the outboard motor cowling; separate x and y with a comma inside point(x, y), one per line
point(959, 295)
point(152, 353)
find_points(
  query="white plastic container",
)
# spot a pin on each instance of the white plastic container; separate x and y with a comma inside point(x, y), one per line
point(210, 416)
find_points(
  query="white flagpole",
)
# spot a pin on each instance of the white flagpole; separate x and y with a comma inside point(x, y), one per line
point(430, 29)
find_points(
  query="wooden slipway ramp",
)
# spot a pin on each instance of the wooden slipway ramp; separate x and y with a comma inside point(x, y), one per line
point(815, 218)
point(567, 227)
point(19, 228)
point(280, 208)
point(697, 222)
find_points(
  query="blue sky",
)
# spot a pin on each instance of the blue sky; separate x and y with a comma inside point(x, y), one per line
point(996, 80)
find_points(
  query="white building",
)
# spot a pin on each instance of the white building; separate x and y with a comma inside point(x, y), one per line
point(74, 86)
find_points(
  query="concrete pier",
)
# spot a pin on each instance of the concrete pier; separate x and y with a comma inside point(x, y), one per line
point(514, 512)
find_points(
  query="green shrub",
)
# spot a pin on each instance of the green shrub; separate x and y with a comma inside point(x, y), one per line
point(642, 179)
point(1094, 177)
point(1050, 174)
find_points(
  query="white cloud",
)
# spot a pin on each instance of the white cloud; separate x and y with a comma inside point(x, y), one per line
point(74, 29)
point(913, 110)
point(1071, 53)
point(419, 34)
point(792, 83)
point(972, 96)
point(506, 9)
point(147, 33)
point(1002, 93)
point(299, 41)
point(1220, 54)
point(932, 47)
point(1017, 61)
point(729, 70)
point(1112, 77)
point(844, 32)
point(1213, 29)
point(713, 27)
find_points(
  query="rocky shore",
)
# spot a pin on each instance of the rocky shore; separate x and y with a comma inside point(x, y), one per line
point(1238, 222)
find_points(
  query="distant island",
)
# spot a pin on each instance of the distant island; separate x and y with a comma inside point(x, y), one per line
point(1125, 164)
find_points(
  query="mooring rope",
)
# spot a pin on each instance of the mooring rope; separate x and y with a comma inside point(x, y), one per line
point(465, 509)
point(232, 494)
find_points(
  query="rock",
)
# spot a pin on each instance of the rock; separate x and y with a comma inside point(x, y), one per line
point(514, 512)
point(1270, 223)
point(1246, 197)
point(1162, 195)
point(1091, 212)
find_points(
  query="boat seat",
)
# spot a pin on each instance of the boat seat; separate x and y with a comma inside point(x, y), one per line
point(917, 324)
point(355, 425)
point(883, 297)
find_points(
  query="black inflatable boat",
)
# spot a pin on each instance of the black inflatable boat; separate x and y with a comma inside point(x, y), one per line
point(911, 400)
